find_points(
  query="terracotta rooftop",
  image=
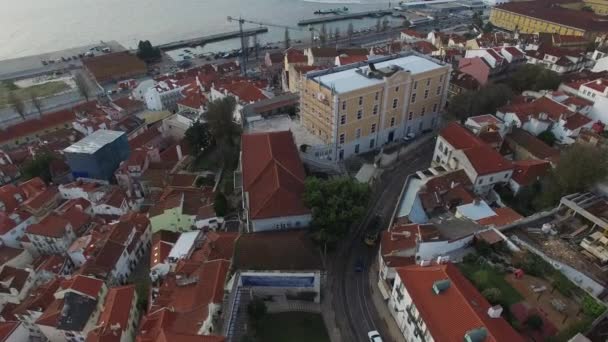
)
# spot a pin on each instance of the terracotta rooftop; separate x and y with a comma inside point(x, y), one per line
point(165, 325)
point(486, 160)
point(273, 175)
point(7, 329)
point(217, 246)
point(547, 11)
point(528, 171)
point(32, 126)
point(116, 312)
point(52, 226)
point(399, 238)
point(245, 91)
point(460, 137)
point(8, 196)
point(12, 278)
point(9, 253)
point(115, 66)
point(287, 250)
point(437, 310)
point(504, 216)
point(532, 144)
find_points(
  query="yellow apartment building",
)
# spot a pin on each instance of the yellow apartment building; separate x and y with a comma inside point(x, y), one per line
point(542, 16)
point(360, 107)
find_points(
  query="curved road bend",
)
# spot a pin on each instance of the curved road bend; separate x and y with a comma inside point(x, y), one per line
point(356, 314)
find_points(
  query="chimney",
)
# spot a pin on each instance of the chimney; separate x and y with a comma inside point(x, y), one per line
point(441, 285)
point(495, 311)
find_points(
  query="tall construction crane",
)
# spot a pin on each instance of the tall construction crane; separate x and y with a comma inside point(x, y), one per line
point(244, 48)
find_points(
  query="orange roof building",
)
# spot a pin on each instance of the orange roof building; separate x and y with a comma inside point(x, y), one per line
point(273, 182)
point(438, 302)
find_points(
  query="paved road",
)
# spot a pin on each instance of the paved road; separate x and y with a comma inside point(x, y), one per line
point(355, 311)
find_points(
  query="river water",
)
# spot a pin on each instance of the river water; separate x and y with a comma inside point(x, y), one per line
point(29, 27)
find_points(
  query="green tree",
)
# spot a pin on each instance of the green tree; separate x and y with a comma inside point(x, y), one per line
point(579, 168)
point(198, 137)
point(477, 21)
point(36, 102)
point(485, 100)
point(406, 23)
point(562, 284)
point(327, 200)
point(143, 290)
point(16, 103)
point(591, 307)
point(82, 85)
point(385, 24)
point(488, 27)
point(349, 32)
point(534, 77)
point(323, 35)
point(222, 127)
point(38, 167)
point(548, 137)
point(534, 322)
point(220, 204)
point(286, 39)
point(147, 52)
point(493, 295)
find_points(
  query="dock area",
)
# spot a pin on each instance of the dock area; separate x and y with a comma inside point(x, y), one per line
point(211, 38)
point(337, 17)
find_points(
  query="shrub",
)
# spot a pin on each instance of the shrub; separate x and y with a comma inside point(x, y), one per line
point(492, 294)
point(534, 322)
point(220, 205)
point(591, 307)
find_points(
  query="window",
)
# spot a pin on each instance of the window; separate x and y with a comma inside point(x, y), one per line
point(360, 100)
point(435, 108)
point(359, 114)
point(506, 175)
point(422, 111)
point(343, 105)
point(375, 111)
point(395, 101)
point(415, 84)
point(376, 96)
point(358, 133)
point(373, 130)
point(343, 120)
point(342, 138)
point(438, 90)
point(426, 94)
point(413, 98)
point(409, 117)
point(357, 148)
point(396, 89)
point(440, 146)
point(441, 78)
point(480, 181)
point(371, 143)
point(428, 82)
point(392, 121)
point(491, 179)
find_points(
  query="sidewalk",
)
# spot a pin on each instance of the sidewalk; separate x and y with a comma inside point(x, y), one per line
point(382, 307)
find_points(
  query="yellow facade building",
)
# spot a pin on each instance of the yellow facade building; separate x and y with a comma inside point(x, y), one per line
point(542, 16)
point(360, 107)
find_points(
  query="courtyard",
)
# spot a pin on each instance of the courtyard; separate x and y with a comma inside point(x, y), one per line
point(293, 327)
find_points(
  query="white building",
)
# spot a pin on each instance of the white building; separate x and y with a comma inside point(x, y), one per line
point(13, 225)
point(52, 235)
point(458, 148)
point(166, 94)
point(433, 303)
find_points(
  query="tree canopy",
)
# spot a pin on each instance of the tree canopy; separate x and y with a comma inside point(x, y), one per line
point(220, 205)
point(328, 199)
point(198, 137)
point(38, 167)
point(147, 52)
point(579, 168)
point(548, 137)
point(222, 127)
point(534, 77)
point(483, 101)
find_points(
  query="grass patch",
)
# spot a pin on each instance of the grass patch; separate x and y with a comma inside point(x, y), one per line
point(41, 90)
point(485, 277)
point(292, 327)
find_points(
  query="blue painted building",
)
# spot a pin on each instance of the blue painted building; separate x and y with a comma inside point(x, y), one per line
point(98, 155)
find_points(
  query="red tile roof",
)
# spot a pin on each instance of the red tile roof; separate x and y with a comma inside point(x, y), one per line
point(459, 137)
point(32, 187)
point(437, 310)
point(414, 33)
point(398, 238)
point(532, 144)
point(8, 253)
point(7, 196)
point(486, 160)
point(346, 59)
point(115, 66)
point(599, 85)
point(547, 11)
point(503, 217)
point(88, 286)
point(8, 222)
point(13, 278)
point(576, 121)
point(273, 175)
point(33, 126)
point(296, 56)
point(424, 47)
point(116, 312)
point(7, 329)
point(217, 246)
point(527, 172)
point(39, 299)
point(42, 199)
point(245, 91)
point(164, 325)
point(51, 226)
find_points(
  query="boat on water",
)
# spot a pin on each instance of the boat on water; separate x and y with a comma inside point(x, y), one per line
point(333, 11)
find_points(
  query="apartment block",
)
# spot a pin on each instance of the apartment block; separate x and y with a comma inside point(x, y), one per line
point(360, 107)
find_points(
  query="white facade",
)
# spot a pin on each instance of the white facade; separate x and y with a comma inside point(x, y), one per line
point(157, 99)
point(11, 238)
point(400, 306)
point(53, 245)
point(280, 223)
point(139, 93)
point(106, 209)
point(71, 191)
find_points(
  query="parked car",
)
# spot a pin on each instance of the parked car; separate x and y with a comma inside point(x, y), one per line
point(409, 137)
point(374, 336)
